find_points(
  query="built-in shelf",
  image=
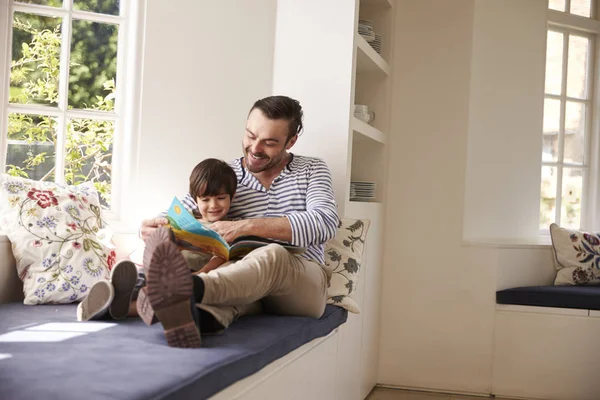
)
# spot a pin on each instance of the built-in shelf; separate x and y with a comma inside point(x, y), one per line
point(367, 59)
point(375, 203)
point(368, 131)
point(379, 3)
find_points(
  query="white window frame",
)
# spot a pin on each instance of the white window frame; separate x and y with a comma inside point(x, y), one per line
point(590, 201)
point(127, 108)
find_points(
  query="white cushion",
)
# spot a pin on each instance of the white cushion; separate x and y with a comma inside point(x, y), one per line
point(577, 256)
point(343, 254)
point(54, 231)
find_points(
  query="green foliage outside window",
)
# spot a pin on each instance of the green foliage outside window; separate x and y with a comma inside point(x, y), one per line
point(34, 79)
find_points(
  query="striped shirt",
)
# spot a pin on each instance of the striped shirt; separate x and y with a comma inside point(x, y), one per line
point(303, 193)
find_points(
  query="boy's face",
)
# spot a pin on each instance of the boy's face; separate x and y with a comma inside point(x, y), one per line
point(213, 208)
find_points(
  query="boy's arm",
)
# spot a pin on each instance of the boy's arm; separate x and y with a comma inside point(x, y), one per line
point(213, 263)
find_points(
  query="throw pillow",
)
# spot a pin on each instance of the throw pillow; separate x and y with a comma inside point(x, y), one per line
point(343, 254)
point(577, 256)
point(54, 234)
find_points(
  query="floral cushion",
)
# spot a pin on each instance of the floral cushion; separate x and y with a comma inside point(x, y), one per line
point(577, 256)
point(344, 255)
point(54, 234)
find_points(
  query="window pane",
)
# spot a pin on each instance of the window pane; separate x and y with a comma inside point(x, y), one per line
point(579, 48)
point(551, 129)
point(53, 3)
point(558, 5)
point(100, 6)
point(581, 7)
point(35, 63)
point(93, 65)
point(570, 210)
point(548, 200)
point(31, 151)
point(574, 132)
point(88, 155)
point(554, 62)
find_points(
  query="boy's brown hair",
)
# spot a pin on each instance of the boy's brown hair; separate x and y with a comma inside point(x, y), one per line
point(212, 177)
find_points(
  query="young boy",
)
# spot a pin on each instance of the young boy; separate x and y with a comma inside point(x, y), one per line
point(212, 184)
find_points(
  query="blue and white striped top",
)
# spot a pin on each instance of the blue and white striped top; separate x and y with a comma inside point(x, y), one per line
point(303, 193)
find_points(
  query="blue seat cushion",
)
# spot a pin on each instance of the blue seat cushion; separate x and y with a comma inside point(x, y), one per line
point(132, 361)
point(583, 297)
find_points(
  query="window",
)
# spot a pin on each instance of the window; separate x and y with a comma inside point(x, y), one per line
point(62, 112)
point(567, 175)
point(582, 8)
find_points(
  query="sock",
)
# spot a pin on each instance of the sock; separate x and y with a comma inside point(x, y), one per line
point(198, 288)
point(195, 311)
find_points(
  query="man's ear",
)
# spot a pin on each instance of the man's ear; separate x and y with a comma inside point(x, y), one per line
point(291, 142)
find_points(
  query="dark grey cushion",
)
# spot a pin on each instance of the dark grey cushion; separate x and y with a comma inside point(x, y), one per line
point(132, 360)
point(583, 297)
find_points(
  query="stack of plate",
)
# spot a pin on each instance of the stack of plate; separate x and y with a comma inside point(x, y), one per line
point(376, 44)
point(362, 191)
point(365, 29)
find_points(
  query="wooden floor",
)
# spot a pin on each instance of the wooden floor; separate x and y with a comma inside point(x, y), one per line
point(397, 394)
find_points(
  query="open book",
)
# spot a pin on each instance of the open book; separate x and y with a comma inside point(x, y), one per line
point(191, 235)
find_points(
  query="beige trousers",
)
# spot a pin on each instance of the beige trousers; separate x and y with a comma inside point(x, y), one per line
point(268, 279)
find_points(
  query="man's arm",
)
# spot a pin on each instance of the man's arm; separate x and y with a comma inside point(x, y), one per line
point(316, 225)
point(319, 222)
point(150, 225)
point(277, 228)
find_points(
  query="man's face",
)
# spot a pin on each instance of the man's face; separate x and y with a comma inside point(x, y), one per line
point(265, 142)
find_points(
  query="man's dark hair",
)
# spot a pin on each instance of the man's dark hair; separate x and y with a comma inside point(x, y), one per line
point(282, 107)
point(212, 177)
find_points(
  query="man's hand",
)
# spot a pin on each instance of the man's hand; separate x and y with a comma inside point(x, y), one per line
point(150, 225)
point(230, 230)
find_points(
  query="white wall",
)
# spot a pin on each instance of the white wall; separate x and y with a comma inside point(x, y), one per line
point(438, 294)
point(502, 199)
point(206, 62)
point(313, 63)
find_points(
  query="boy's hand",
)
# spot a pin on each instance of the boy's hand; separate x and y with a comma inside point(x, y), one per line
point(230, 230)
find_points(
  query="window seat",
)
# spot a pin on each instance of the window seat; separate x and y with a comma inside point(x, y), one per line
point(542, 337)
point(129, 360)
point(579, 297)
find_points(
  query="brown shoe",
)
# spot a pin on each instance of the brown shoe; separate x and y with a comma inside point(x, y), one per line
point(144, 308)
point(169, 289)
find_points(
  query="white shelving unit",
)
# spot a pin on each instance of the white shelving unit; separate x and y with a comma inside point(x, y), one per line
point(379, 3)
point(367, 59)
point(367, 130)
point(321, 60)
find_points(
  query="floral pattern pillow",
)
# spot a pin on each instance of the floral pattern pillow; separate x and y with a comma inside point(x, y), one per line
point(577, 256)
point(343, 254)
point(54, 231)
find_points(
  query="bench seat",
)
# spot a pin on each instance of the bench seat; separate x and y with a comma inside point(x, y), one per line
point(580, 297)
point(129, 360)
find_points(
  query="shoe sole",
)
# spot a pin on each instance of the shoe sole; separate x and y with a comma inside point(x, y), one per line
point(123, 278)
point(96, 302)
point(169, 288)
point(144, 308)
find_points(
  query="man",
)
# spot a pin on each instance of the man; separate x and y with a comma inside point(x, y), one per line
point(280, 196)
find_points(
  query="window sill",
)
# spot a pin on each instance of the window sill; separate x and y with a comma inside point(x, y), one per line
point(543, 242)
